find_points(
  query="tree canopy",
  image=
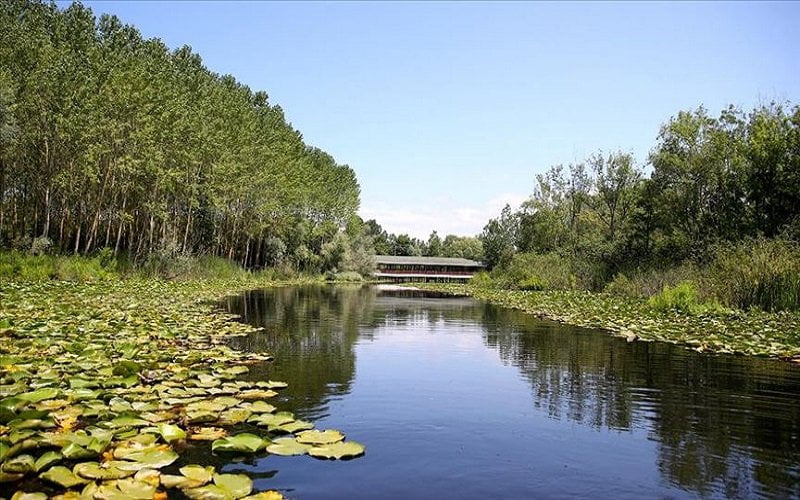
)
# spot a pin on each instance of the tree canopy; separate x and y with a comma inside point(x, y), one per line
point(108, 139)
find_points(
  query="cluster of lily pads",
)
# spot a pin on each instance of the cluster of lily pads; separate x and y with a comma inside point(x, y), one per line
point(743, 332)
point(101, 385)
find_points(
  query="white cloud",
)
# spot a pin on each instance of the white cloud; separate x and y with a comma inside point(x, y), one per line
point(419, 221)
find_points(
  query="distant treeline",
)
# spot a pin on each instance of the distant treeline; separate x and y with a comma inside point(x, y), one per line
point(720, 195)
point(466, 247)
point(111, 140)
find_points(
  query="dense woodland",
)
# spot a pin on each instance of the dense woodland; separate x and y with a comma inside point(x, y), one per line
point(716, 203)
point(110, 140)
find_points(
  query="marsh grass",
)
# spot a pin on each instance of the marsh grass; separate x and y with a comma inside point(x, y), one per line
point(760, 273)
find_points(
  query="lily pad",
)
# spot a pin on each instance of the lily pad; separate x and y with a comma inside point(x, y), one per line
point(207, 433)
point(63, 476)
point(238, 485)
point(152, 459)
point(288, 446)
point(320, 437)
point(46, 460)
point(171, 432)
point(244, 443)
point(93, 470)
point(349, 449)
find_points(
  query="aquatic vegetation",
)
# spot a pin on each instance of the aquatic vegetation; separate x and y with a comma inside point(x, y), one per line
point(752, 332)
point(103, 384)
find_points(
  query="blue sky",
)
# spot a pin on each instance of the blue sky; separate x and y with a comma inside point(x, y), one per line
point(446, 111)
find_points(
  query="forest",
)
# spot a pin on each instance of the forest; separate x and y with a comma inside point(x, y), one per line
point(713, 214)
point(110, 140)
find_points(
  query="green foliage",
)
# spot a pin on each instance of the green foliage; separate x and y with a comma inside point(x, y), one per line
point(683, 298)
point(759, 273)
point(346, 276)
point(111, 140)
point(530, 271)
point(481, 279)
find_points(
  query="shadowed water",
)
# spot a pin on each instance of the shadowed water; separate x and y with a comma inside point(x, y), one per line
point(455, 398)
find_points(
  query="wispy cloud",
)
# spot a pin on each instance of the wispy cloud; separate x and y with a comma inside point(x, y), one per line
point(444, 218)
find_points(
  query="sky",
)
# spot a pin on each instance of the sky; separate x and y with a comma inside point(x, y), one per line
point(448, 111)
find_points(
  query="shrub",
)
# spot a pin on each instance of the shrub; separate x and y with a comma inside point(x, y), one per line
point(647, 283)
point(481, 279)
point(683, 297)
point(533, 284)
point(346, 276)
point(758, 273)
point(548, 271)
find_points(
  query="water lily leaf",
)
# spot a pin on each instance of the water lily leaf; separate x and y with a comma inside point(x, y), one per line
point(127, 368)
point(267, 419)
point(259, 407)
point(207, 433)
point(21, 495)
point(128, 421)
point(227, 401)
point(253, 394)
point(153, 459)
point(238, 485)
point(63, 476)
point(7, 477)
point(140, 490)
point(21, 464)
point(171, 432)
point(93, 470)
point(266, 495)
point(234, 416)
point(46, 460)
point(210, 492)
point(198, 472)
point(150, 476)
point(320, 437)
point(339, 450)
point(40, 394)
point(272, 384)
point(245, 443)
point(73, 451)
point(199, 417)
point(292, 427)
point(288, 446)
point(205, 406)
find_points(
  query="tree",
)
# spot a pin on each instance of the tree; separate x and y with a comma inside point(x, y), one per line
point(499, 237)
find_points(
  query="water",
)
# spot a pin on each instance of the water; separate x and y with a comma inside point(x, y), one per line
point(455, 398)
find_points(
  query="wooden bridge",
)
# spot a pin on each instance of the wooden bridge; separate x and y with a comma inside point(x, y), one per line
point(401, 268)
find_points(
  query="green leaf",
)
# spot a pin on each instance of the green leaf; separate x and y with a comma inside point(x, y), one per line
point(46, 460)
point(238, 485)
point(288, 446)
point(63, 476)
point(339, 450)
point(245, 443)
point(320, 437)
point(171, 432)
point(40, 394)
point(151, 459)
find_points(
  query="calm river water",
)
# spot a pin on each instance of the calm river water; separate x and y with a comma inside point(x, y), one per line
point(455, 398)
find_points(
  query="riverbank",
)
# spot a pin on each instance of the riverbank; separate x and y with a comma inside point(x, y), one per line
point(737, 332)
point(110, 378)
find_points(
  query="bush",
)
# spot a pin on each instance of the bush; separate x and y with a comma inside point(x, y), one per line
point(533, 284)
point(481, 279)
point(683, 298)
point(759, 273)
point(346, 276)
point(644, 284)
point(547, 271)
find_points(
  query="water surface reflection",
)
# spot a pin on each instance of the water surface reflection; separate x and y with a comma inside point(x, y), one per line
point(471, 399)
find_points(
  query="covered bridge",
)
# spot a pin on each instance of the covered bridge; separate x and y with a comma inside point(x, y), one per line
point(401, 268)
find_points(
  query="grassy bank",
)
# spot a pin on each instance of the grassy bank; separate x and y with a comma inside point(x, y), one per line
point(752, 332)
point(104, 383)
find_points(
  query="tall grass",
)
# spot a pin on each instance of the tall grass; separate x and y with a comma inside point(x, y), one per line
point(759, 273)
point(18, 265)
point(532, 271)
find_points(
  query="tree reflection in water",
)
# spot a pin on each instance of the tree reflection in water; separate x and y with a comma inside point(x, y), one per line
point(724, 425)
